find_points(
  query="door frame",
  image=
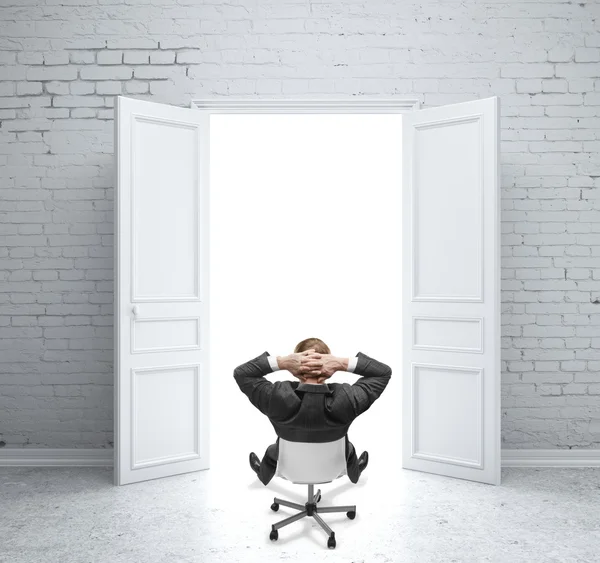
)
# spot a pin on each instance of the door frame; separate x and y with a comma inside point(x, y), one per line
point(305, 106)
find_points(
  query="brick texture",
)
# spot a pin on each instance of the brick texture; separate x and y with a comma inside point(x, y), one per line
point(61, 63)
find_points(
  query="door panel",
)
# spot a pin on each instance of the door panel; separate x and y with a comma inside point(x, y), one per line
point(446, 178)
point(161, 302)
point(165, 210)
point(451, 307)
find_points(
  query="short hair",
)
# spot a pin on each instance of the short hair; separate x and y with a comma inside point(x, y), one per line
point(316, 343)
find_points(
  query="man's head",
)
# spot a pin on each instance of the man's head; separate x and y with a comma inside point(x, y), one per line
point(317, 345)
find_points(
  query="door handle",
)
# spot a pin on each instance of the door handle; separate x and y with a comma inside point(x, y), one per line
point(135, 310)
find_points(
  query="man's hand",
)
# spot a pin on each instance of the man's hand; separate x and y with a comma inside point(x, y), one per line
point(294, 364)
point(312, 365)
point(328, 363)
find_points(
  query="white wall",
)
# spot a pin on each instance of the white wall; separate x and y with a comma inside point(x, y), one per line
point(61, 63)
point(305, 241)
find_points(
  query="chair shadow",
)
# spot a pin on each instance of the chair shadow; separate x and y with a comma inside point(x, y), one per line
point(332, 493)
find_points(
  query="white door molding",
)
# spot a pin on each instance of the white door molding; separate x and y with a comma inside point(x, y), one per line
point(232, 105)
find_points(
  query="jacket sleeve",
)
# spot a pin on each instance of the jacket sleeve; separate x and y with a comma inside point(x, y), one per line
point(359, 397)
point(250, 379)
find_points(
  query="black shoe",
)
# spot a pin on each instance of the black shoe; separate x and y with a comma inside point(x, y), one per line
point(363, 461)
point(254, 462)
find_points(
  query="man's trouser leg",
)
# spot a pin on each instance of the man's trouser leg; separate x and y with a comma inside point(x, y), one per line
point(268, 464)
point(351, 462)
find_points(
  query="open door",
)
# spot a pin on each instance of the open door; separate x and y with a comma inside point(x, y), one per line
point(451, 298)
point(161, 316)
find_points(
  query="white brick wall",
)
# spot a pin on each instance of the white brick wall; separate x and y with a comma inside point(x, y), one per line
point(62, 61)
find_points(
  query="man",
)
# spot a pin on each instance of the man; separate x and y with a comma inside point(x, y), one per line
point(310, 410)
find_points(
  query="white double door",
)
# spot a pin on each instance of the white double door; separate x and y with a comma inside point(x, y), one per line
point(450, 293)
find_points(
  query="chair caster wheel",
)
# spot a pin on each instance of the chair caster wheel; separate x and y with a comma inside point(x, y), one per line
point(274, 507)
point(331, 542)
point(274, 535)
point(351, 514)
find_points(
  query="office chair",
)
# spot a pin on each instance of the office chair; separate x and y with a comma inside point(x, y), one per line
point(311, 464)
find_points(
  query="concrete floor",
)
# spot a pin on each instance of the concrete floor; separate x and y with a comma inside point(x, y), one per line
point(76, 515)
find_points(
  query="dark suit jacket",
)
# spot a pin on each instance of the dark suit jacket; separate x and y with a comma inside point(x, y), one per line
point(305, 412)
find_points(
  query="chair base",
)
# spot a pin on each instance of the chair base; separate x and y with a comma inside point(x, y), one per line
point(310, 508)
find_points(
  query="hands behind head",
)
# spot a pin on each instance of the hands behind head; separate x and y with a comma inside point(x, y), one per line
point(311, 365)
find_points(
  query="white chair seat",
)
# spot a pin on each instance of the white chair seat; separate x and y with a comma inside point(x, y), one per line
point(311, 463)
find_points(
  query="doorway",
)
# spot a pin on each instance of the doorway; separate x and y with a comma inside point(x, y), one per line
point(448, 356)
point(304, 241)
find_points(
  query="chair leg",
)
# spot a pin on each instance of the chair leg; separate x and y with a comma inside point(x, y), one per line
point(289, 520)
point(337, 508)
point(288, 503)
point(322, 524)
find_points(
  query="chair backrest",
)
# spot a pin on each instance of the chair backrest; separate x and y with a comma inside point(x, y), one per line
point(311, 463)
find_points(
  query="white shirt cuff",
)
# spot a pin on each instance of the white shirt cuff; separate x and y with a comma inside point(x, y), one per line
point(273, 363)
point(352, 364)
